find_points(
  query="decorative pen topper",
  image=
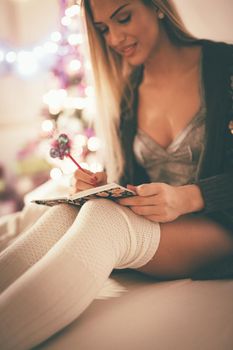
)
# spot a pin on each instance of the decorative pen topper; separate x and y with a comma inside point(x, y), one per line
point(61, 148)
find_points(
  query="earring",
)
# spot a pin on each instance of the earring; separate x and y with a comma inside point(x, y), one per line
point(161, 15)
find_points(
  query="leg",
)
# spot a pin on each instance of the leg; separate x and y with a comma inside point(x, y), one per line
point(188, 244)
point(30, 246)
point(12, 225)
point(54, 291)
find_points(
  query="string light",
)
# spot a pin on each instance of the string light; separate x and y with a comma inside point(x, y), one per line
point(72, 11)
point(53, 97)
point(80, 140)
point(89, 91)
point(47, 125)
point(26, 63)
point(75, 103)
point(50, 47)
point(66, 21)
point(56, 174)
point(74, 66)
point(56, 36)
point(30, 61)
point(95, 167)
point(11, 57)
point(93, 144)
point(75, 39)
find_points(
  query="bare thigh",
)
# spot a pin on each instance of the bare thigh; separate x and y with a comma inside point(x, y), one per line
point(186, 245)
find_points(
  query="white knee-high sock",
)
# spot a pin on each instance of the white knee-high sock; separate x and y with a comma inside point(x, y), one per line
point(12, 225)
point(28, 248)
point(59, 287)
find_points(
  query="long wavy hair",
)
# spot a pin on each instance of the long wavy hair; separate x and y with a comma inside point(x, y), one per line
point(111, 79)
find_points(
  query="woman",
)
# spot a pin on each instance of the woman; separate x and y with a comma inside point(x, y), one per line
point(171, 133)
point(164, 100)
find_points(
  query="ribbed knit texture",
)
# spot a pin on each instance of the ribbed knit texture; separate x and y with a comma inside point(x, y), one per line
point(13, 225)
point(35, 243)
point(214, 199)
point(59, 287)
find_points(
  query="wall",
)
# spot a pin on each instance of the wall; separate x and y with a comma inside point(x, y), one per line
point(211, 19)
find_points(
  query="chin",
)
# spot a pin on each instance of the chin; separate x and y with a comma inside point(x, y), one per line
point(139, 58)
point(135, 61)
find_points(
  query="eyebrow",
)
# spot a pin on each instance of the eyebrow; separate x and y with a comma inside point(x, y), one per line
point(115, 12)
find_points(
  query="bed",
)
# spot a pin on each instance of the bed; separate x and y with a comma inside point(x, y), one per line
point(175, 315)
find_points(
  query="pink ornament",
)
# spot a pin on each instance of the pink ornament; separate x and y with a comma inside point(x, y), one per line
point(61, 148)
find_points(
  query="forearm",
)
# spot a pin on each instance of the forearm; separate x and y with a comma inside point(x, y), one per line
point(217, 192)
point(211, 194)
point(190, 198)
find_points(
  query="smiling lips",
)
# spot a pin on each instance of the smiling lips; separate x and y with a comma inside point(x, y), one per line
point(128, 50)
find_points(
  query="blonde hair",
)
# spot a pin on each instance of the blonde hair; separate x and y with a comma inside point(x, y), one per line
point(111, 77)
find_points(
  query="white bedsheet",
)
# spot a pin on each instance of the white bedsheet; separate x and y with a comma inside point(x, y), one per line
point(152, 315)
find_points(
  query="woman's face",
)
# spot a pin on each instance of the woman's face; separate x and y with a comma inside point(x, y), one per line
point(128, 27)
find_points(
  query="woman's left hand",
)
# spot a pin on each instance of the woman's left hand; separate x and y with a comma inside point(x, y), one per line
point(163, 203)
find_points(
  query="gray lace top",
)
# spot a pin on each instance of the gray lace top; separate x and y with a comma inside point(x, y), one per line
point(177, 164)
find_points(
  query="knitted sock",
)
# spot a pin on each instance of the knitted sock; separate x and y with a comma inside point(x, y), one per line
point(13, 225)
point(29, 247)
point(60, 286)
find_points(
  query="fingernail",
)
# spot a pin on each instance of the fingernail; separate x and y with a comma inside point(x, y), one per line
point(94, 178)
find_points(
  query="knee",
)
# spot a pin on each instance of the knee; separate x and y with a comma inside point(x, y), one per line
point(63, 209)
point(100, 215)
point(99, 207)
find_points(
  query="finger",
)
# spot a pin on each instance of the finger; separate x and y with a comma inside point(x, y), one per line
point(85, 176)
point(132, 188)
point(81, 186)
point(146, 210)
point(154, 218)
point(153, 188)
point(158, 218)
point(101, 177)
point(83, 171)
point(137, 200)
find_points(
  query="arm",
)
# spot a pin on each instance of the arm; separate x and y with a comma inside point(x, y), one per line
point(208, 195)
point(190, 198)
point(164, 203)
point(161, 202)
point(217, 192)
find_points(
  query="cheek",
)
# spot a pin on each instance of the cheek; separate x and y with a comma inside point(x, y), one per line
point(150, 39)
point(151, 28)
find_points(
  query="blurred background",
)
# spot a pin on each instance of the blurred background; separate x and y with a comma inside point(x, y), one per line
point(46, 89)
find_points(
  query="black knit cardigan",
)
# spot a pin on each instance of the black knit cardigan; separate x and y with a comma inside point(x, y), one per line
point(215, 175)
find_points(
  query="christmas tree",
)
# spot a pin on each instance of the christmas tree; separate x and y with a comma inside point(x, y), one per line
point(67, 104)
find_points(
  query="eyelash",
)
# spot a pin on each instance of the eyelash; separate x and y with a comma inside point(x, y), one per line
point(126, 19)
point(122, 21)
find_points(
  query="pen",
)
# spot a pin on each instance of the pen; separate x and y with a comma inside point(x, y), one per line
point(75, 162)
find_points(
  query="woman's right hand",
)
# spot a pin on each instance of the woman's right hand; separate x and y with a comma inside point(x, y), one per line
point(85, 179)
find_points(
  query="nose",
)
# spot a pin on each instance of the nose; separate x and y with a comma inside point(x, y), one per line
point(115, 37)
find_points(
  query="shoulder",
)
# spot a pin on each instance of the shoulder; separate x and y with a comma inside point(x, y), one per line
point(217, 51)
point(217, 63)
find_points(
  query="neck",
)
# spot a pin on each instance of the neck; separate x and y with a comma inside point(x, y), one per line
point(168, 60)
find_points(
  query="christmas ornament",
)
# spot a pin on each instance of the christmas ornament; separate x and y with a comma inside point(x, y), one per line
point(61, 148)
